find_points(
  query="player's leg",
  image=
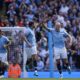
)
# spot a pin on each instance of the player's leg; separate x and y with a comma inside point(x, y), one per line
point(25, 58)
point(59, 66)
point(66, 65)
point(57, 57)
point(28, 58)
point(34, 59)
point(3, 60)
point(65, 59)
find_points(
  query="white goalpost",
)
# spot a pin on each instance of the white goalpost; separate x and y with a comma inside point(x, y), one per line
point(12, 29)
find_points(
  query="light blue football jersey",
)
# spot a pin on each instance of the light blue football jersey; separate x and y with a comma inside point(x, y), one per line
point(58, 38)
point(30, 35)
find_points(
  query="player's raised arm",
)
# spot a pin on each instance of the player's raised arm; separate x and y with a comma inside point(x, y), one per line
point(48, 29)
point(69, 36)
point(43, 26)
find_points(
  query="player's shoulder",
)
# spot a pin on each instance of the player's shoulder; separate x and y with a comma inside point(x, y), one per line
point(52, 29)
point(26, 30)
point(4, 37)
point(62, 30)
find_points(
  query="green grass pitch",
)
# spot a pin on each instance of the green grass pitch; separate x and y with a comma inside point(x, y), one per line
point(40, 79)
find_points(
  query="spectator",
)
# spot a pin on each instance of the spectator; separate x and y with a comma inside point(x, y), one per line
point(1, 4)
point(2, 24)
point(33, 8)
point(40, 64)
point(14, 70)
point(78, 52)
point(21, 22)
point(64, 9)
point(43, 47)
point(7, 2)
point(11, 15)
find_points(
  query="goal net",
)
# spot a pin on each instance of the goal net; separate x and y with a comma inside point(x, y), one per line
point(16, 49)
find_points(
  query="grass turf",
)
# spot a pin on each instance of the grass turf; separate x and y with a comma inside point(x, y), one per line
point(40, 79)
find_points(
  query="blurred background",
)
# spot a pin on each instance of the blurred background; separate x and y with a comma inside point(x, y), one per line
point(14, 13)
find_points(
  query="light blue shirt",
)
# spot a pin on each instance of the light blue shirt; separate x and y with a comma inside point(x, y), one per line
point(3, 41)
point(58, 38)
point(30, 35)
point(30, 17)
point(28, 2)
point(33, 8)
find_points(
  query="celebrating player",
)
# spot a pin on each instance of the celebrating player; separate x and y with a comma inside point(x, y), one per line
point(31, 51)
point(60, 53)
point(4, 43)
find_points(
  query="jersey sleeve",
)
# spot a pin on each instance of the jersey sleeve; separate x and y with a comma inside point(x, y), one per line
point(51, 29)
point(6, 40)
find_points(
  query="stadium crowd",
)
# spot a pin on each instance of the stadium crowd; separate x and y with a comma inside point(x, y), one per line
point(17, 12)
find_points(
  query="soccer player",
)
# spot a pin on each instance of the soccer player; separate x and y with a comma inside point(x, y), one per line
point(60, 53)
point(4, 44)
point(31, 50)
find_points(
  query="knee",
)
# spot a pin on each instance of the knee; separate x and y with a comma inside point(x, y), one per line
point(58, 62)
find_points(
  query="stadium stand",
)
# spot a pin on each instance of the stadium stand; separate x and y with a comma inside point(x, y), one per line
point(15, 12)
